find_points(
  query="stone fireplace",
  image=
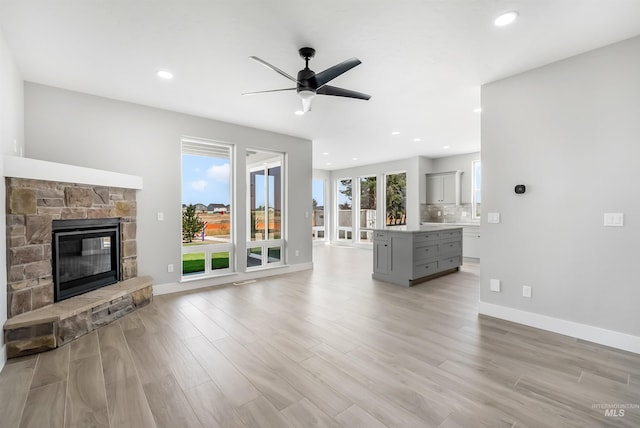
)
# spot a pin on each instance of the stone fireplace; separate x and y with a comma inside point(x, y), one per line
point(45, 197)
point(32, 206)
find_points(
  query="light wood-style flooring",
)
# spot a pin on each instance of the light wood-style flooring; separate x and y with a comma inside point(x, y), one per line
point(324, 348)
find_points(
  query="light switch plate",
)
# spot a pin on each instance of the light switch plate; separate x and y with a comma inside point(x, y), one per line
point(526, 291)
point(494, 285)
point(614, 219)
point(493, 218)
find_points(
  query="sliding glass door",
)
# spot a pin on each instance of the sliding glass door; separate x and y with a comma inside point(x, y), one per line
point(264, 223)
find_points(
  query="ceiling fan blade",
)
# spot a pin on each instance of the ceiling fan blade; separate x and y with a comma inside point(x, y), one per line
point(270, 90)
point(331, 73)
point(340, 92)
point(274, 68)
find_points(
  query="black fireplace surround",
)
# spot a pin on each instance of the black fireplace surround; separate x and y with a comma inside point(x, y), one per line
point(86, 255)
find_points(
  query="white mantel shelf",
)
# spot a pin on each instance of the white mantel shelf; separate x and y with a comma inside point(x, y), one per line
point(35, 169)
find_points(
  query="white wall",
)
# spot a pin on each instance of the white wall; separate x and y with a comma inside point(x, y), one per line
point(458, 163)
point(85, 130)
point(11, 129)
point(570, 132)
point(425, 165)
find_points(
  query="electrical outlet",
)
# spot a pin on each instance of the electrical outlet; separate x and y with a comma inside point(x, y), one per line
point(160, 216)
point(614, 219)
point(170, 268)
point(297, 253)
point(526, 291)
point(494, 285)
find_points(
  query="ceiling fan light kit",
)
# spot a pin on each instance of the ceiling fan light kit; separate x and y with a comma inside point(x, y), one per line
point(309, 84)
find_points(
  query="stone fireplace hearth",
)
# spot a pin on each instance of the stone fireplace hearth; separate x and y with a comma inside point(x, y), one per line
point(39, 192)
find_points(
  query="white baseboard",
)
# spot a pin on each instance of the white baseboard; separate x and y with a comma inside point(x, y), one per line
point(176, 287)
point(614, 339)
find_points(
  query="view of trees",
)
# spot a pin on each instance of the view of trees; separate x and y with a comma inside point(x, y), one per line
point(396, 198)
point(191, 223)
point(368, 199)
point(396, 194)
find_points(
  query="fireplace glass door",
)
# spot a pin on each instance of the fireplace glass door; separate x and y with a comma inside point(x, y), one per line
point(85, 258)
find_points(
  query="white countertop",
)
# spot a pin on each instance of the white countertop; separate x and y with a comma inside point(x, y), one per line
point(434, 224)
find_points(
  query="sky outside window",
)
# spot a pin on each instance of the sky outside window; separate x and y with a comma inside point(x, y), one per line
point(205, 180)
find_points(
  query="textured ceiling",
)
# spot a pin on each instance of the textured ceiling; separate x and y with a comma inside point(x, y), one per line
point(423, 61)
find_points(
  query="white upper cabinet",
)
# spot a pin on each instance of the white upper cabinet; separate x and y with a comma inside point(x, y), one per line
point(443, 188)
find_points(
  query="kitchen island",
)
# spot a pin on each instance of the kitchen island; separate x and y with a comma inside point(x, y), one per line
point(408, 257)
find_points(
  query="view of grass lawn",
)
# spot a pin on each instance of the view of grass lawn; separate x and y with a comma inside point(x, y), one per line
point(194, 262)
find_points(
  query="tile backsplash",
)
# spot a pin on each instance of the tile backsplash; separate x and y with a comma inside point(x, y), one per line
point(448, 213)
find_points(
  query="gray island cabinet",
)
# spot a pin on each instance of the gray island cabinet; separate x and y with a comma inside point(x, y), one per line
point(407, 257)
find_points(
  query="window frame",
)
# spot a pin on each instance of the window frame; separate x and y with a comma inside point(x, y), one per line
point(475, 188)
point(348, 230)
point(265, 245)
point(315, 230)
point(220, 247)
point(360, 228)
point(384, 192)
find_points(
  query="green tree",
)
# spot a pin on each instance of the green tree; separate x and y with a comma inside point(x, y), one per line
point(396, 198)
point(368, 193)
point(347, 192)
point(191, 223)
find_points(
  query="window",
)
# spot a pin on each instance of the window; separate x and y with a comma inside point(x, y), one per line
point(396, 199)
point(207, 246)
point(264, 222)
point(476, 185)
point(345, 205)
point(317, 219)
point(368, 204)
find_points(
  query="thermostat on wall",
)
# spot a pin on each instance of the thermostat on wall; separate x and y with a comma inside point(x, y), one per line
point(520, 188)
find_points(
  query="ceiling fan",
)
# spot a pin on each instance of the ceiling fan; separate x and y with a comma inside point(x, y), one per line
point(309, 84)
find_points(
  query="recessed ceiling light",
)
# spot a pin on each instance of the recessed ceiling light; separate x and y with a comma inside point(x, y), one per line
point(354, 158)
point(328, 163)
point(477, 110)
point(505, 19)
point(326, 153)
point(445, 147)
point(395, 133)
point(416, 140)
point(164, 74)
point(299, 113)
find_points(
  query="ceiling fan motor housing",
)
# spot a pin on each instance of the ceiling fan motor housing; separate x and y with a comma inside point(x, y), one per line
point(307, 80)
